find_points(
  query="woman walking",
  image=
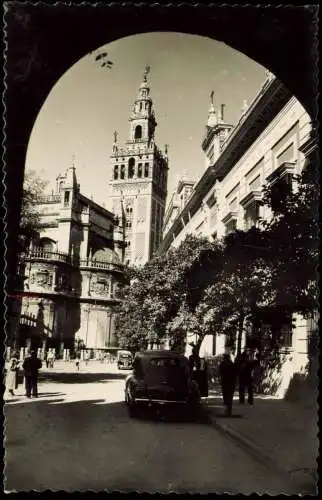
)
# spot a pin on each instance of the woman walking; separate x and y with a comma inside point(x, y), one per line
point(12, 375)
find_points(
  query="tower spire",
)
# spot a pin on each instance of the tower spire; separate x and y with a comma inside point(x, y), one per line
point(212, 118)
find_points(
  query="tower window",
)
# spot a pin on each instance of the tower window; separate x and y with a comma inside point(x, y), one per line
point(131, 168)
point(140, 106)
point(140, 170)
point(138, 132)
point(116, 172)
point(122, 171)
point(66, 198)
point(146, 170)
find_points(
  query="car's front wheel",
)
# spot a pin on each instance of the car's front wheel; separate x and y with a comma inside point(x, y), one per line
point(131, 405)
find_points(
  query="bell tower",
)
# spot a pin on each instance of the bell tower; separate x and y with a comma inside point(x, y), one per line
point(139, 181)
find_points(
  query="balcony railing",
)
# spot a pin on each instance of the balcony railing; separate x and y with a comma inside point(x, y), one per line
point(104, 265)
point(50, 198)
point(40, 254)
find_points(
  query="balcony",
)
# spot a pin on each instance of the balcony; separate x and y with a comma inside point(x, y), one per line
point(100, 265)
point(286, 169)
point(231, 216)
point(252, 196)
point(51, 198)
point(44, 255)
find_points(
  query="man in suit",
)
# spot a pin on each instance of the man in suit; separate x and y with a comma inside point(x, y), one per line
point(31, 366)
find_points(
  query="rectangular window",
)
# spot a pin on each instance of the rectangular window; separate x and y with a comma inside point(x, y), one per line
point(231, 226)
point(255, 184)
point(233, 191)
point(286, 156)
point(146, 170)
point(233, 204)
point(251, 215)
point(122, 171)
point(286, 139)
point(257, 168)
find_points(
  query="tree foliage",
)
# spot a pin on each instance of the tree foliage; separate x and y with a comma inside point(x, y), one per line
point(205, 287)
point(33, 187)
point(293, 242)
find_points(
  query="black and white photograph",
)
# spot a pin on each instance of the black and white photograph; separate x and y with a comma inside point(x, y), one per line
point(161, 248)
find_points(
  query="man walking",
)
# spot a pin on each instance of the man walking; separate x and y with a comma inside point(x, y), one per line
point(31, 365)
point(227, 372)
point(245, 367)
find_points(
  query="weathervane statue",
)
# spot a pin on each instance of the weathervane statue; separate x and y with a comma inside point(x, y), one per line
point(212, 93)
point(146, 71)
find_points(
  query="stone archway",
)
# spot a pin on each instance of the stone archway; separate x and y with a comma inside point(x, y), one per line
point(45, 40)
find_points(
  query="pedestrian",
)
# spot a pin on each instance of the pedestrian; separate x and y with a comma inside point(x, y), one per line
point(245, 368)
point(31, 365)
point(86, 358)
point(194, 359)
point(12, 374)
point(47, 359)
point(50, 359)
point(227, 373)
point(77, 361)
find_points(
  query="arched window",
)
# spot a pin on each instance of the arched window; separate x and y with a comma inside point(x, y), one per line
point(116, 172)
point(66, 198)
point(131, 168)
point(47, 244)
point(140, 170)
point(146, 170)
point(138, 132)
point(122, 171)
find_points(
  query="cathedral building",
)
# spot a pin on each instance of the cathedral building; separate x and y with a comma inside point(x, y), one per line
point(72, 273)
point(139, 181)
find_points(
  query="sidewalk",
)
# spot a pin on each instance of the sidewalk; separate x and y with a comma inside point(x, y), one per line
point(280, 433)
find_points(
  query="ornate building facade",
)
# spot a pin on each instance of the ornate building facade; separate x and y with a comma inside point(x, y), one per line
point(72, 272)
point(268, 145)
point(139, 181)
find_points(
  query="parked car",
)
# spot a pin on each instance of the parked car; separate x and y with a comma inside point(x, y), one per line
point(161, 378)
point(124, 360)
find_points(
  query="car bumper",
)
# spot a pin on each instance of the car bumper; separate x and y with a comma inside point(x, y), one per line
point(152, 401)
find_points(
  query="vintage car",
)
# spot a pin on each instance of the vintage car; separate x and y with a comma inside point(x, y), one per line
point(124, 360)
point(161, 378)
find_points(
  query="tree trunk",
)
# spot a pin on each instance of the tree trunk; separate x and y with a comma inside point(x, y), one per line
point(240, 332)
point(199, 342)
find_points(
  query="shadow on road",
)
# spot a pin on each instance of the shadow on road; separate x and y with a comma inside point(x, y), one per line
point(79, 377)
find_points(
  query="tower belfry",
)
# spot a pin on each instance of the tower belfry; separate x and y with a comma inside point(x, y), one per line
point(139, 180)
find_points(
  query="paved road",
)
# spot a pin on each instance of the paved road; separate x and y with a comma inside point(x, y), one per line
point(77, 436)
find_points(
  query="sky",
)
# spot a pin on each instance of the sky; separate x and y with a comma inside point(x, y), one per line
point(89, 103)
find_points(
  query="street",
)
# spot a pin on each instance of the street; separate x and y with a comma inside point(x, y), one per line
point(78, 436)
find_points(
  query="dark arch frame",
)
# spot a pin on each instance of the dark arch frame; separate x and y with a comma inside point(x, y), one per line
point(41, 48)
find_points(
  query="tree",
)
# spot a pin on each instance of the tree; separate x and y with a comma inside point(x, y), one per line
point(33, 187)
point(293, 236)
point(161, 288)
